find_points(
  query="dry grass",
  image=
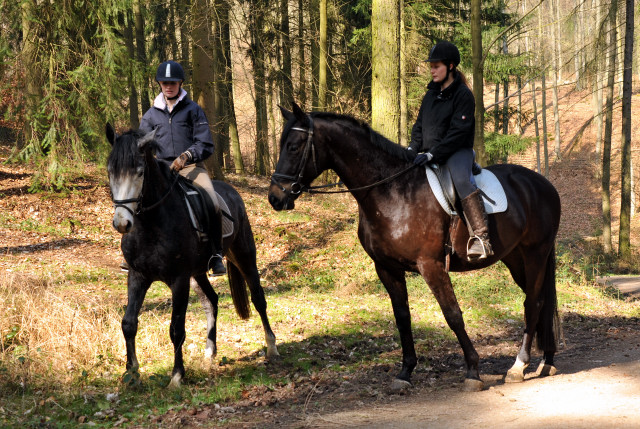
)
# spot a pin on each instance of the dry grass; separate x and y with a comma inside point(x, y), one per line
point(52, 336)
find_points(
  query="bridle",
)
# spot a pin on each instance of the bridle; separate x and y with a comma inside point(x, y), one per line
point(139, 208)
point(297, 187)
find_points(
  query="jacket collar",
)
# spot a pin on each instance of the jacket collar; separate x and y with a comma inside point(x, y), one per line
point(448, 91)
point(160, 103)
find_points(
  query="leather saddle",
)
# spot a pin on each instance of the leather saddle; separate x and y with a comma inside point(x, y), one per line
point(199, 206)
point(443, 175)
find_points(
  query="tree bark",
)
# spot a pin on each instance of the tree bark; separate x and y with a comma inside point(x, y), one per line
point(557, 66)
point(478, 80)
point(141, 55)
point(385, 65)
point(256, 53)
point(322, 60)
point(203, 78)
point(624, 248)
point(302, 69)
point(287, 85)
point(606, 144)
point(33, 79)
point(134, 114)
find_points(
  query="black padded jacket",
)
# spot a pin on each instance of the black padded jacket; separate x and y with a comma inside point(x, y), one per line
point(445, 122)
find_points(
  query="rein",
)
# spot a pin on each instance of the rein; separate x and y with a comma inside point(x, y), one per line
point(297, 187)
point(139, 208)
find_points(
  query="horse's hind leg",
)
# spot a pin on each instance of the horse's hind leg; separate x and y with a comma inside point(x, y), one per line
point(137, 287)
point(209, 301)
point(180, 300)
point(538, 287)
point(247, 271)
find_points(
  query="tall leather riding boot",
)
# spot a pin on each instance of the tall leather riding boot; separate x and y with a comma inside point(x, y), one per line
point(478, 246)
point(215, 237)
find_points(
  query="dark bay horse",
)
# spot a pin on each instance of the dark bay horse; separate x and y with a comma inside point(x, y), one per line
point(159, 243)
point(403, 228)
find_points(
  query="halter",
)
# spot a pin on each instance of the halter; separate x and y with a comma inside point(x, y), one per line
point(139, 208)
point(297, 187)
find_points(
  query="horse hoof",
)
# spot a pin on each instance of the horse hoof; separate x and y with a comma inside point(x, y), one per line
point(209, 353)
point(514, 376)
point(399, 386)
point(176, 382)
point(273, 356)
point(472, 385)
point(545, 370)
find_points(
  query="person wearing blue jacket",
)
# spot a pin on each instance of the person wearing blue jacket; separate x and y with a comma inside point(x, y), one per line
point(443, 134)
point(184, 140)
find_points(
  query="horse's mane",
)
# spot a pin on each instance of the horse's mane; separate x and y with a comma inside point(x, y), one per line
point(124, 155)
point(377, 139)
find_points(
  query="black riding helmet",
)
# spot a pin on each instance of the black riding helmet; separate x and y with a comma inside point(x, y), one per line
point(170, 71)
point(446, 52)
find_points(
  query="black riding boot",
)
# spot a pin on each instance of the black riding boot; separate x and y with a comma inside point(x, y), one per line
point(215, 237)
point(478, 246)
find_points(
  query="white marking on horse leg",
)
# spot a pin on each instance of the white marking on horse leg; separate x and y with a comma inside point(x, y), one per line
point(516, 372)
point(176, 381)
point(208, 353)
point(272, 349)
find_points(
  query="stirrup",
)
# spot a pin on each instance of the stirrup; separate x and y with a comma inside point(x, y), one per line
point(216, 266)
point(486, 249)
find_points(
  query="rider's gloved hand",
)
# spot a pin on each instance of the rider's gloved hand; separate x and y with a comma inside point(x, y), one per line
point(423, 158)
point(179, 163)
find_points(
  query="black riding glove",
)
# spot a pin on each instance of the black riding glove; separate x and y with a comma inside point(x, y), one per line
point(423, 158)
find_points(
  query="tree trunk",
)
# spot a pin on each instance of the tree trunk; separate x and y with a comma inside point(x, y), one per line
point(322, 60)
point(234, 138)
point(302, 69)
point(134, 114)
point(557, 66)
point(203, 79)
point(404, 114)
point(219, 20)
point(478, 80)
point(385, 66)
point(33, 79)
point(537, 128)
point(624, 248)
point(141, 55)
point(496, 109)
point(505, 91)
point(287, 86)
point(256, 25)
point(182, 13)
point(606, 144)
point(544, 96)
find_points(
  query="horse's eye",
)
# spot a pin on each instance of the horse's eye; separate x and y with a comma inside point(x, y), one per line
point(140, 171)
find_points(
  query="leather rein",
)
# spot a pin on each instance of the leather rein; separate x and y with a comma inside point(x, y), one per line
point(139, 208)
point(297, 187)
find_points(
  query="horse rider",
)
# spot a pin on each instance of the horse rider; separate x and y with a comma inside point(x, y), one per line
point(184, 139)
point(443, 134)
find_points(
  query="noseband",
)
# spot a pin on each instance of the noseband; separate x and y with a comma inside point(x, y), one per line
point(297, 187)
point(139, 208)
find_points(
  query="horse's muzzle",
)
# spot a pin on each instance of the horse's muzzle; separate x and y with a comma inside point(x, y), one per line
point(280, 199)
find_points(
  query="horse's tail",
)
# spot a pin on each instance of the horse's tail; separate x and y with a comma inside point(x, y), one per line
point(549, 329)
point(239, 293)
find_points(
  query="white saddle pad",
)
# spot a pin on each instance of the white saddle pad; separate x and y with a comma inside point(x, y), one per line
point(486, 181)
point(227, 224)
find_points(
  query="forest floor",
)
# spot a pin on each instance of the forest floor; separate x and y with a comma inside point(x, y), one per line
point(598, 376)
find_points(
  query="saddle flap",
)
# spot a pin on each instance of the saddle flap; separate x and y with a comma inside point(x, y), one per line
point(198, 204)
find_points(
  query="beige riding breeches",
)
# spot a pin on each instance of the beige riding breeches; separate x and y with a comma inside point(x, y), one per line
point(199, 175)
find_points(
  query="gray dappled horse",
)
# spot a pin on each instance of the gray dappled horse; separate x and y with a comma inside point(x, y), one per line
point(160, 244)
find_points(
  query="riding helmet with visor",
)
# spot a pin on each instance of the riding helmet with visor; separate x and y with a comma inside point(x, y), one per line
point(446, 52)
point(170, 71)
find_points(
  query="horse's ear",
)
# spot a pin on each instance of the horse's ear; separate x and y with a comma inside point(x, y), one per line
point(299, 114)
point(142, 143)
point(287, 114)
point(111, 134)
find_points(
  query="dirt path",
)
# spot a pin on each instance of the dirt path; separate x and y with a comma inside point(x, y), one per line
point(597, 391)
point(597, 386)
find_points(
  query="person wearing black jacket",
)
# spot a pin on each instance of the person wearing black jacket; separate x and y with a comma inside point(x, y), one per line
point(184, 139)
point(443, 134)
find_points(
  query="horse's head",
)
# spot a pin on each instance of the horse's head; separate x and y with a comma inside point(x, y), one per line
point(298, 164)
point(126, 168)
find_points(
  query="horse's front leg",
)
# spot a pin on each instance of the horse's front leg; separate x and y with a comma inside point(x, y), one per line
point(180, 299)
point(209, 300)
point(440, 284)
point(396, 286)
point(137, 286)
